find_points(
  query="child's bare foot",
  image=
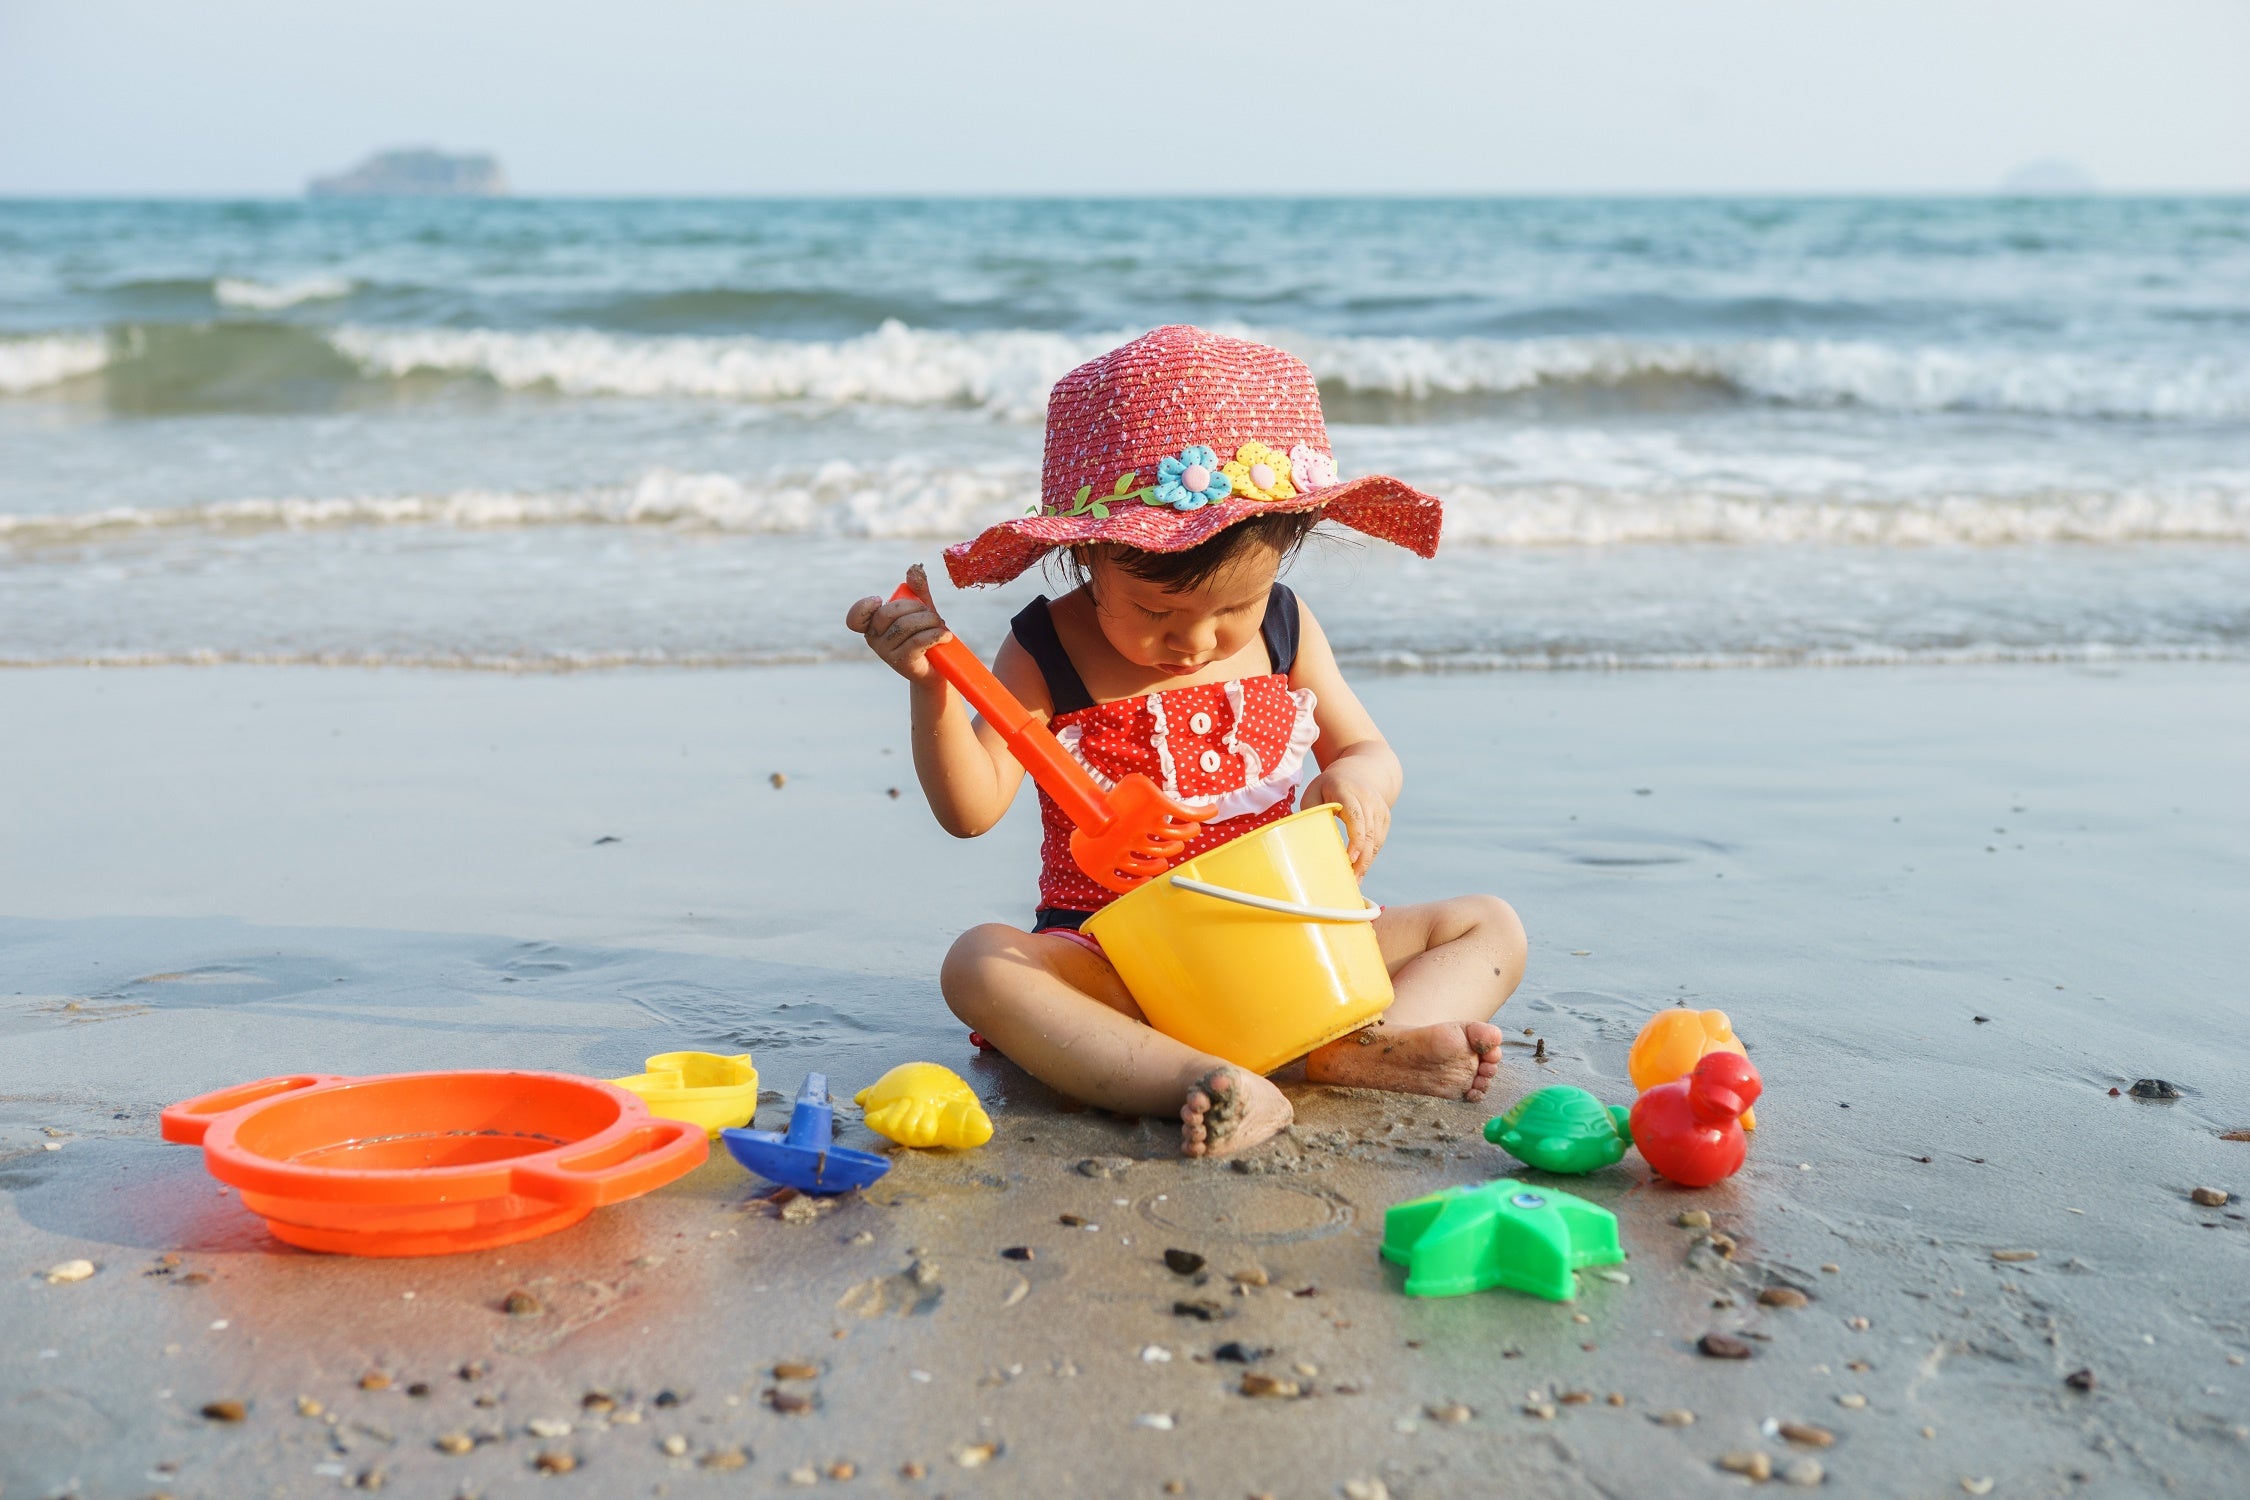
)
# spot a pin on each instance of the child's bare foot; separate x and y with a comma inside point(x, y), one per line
point(1227, 1110)
point(1450, 1060)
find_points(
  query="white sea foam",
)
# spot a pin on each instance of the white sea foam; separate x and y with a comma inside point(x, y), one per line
point(1008, 372)
point(29, 364)
point(911, 500)
point(1560, 658)
point(261, 296)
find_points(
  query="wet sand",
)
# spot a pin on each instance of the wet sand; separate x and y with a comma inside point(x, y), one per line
point(214, 875)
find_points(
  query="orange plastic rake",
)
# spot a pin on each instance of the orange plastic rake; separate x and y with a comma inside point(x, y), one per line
point(1126, 834)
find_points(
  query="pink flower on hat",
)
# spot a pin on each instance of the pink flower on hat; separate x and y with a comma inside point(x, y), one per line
point(1312, 470)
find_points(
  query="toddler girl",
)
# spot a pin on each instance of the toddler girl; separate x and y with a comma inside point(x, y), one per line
point(1182, 471)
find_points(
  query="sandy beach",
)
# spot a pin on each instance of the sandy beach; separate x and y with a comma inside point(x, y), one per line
point(1954, 912)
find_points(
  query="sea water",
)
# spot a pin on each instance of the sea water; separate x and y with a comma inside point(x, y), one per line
point(547, 434)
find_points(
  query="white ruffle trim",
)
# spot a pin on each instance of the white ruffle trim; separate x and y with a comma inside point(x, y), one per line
point(1262, 792)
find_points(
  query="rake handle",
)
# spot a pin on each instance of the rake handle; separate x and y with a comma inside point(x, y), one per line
point(1031, 742)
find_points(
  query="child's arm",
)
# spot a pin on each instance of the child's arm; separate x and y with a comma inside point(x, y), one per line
point(1358, 771)
point(965, 770)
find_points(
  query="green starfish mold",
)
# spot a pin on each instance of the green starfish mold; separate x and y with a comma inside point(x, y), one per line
point(1505, 1233)
point(1562, 1129)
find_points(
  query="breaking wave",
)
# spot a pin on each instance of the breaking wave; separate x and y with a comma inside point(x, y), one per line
point(1006, 373)
point(912, 500)
point(30, 364)
point(260, 296)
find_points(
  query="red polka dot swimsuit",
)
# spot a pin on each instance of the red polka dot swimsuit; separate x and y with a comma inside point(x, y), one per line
point(1240, 744)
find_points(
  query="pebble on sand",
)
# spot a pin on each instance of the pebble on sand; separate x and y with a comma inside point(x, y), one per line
point(803, 1474)
point(225, 1411)
point(779, 780)
point(1805, 1473)
point(1678, 1416)
point(790, 1369)
point(1721, 1346)
point(1154, 1421)
point(723, 1458)
point(2080, 1380)
point(2209, 1197)
point(1852, 1401)
point(673, 1445)
point(1783, 1296)
point(455, 1443)
point(789, 1403)
point(1183, 1262)
point(555, 1461)
point(1452, 1413)
point(375, 1380)
point(1365, 1489)
point(69, 1271)
point(1250, 1276)
point(520, 1304)
point(308, 1407)
point(975, 1455)
point(1751, 1463)
point(2154, 1088)
point(1694, 1218)
point(1807, 1434)
point(1976, 1486)
point(1255, 1383)
point(547, 1427)
point(1543, 1410)
point(2012, 1256)
point(911, 1470)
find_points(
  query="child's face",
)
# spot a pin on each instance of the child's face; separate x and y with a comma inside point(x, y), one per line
point(1180, 632)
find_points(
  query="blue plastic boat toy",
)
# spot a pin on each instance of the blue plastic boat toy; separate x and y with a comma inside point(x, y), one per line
point(805, 1158)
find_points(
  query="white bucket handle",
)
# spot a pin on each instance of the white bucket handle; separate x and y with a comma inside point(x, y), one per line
point(1367, 913)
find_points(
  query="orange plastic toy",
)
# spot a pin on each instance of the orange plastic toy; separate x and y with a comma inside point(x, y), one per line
point(1674, 1041)
point(431, 1163)
point(1126, 834)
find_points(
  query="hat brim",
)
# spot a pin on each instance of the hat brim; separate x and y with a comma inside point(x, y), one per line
point(1388, 509)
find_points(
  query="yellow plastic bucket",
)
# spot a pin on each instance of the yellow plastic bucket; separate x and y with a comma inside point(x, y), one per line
point(1257, 951)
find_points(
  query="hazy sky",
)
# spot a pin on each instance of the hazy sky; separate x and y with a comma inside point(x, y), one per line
point(1041, 96)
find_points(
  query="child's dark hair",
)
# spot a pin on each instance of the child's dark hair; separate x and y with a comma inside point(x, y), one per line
point(1176, 572)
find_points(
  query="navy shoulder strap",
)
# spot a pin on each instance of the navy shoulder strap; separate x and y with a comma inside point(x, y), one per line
point(1034, 629)
point(1280, 628)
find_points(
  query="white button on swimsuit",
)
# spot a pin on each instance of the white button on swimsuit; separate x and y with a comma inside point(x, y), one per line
point(1201, 723)
point(1210, 761)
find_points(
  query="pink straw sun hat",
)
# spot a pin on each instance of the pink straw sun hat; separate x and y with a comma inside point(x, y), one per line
point(1169, 440)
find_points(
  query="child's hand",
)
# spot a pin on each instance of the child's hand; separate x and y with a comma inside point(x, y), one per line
point(901, 631)
point(1366, 813)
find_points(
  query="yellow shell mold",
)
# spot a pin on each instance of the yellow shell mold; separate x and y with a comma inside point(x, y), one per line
point(922, 1104)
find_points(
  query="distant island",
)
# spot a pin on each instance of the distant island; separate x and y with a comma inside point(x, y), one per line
point(416, 173)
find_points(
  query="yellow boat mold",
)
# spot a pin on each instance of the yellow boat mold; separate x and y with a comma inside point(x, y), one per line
point(702, 1088)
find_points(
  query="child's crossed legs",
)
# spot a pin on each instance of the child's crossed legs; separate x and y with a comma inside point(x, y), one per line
point(1058, 1010)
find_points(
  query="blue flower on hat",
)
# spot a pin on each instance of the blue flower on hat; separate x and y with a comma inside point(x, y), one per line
point(1191, 481)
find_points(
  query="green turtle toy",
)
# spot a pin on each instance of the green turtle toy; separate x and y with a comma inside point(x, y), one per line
point(1562, 1129)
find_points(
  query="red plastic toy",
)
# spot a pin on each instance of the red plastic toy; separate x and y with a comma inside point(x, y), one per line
point(1691, 1131)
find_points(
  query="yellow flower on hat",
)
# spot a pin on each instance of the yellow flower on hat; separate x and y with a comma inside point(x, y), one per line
point(1260, 473)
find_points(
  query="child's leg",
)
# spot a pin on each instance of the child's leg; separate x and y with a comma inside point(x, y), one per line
point(1059, 1012)
point(1453, 963)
